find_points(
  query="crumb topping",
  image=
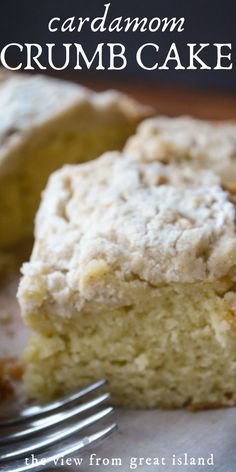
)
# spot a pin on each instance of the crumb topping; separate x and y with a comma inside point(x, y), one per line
point(29, 101)
point(184, 140)
point(139, 221)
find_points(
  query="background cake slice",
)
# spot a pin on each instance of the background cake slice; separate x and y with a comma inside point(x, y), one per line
point(44, 123)
point(188, 141)
point(132, 278)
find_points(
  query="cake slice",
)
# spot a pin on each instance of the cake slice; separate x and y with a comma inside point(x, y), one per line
point(45, 123)
point(132, 278)
point(188, 141)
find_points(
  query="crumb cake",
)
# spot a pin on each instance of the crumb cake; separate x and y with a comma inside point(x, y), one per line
point(132, 278)
point(45, 123)
point(188, 141)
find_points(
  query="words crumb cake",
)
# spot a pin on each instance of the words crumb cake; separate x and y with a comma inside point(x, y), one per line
point(45, 123)
point(132, 278)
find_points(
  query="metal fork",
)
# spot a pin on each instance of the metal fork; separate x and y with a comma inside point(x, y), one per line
point(44, 430)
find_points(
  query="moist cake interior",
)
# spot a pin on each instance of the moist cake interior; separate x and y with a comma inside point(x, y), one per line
point(170, 348)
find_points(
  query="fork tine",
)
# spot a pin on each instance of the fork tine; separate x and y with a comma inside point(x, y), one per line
point(51, 439)
point(66, 450)
point(38, 426)
point(41, 411)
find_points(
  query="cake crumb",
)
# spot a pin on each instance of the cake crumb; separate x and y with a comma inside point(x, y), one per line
point(11, 372)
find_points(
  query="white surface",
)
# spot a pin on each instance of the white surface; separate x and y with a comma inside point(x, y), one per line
point(164, 433)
